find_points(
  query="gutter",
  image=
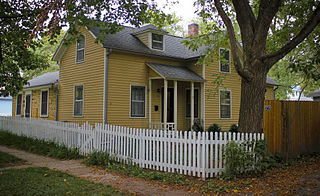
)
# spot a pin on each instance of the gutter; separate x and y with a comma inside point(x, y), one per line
point(105, 103)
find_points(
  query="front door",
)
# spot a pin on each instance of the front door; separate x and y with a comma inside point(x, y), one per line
point(170, 104)
point(28, 106)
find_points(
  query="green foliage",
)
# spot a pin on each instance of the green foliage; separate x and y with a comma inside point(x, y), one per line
point(214, 128)
point(8, 160)
point(41, 147)
point(240, 160)
point(197, 125)
point(42, 181)
point(171, 24)
point(234, 128)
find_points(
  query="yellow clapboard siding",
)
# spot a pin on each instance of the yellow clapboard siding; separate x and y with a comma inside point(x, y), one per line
point(90, 73)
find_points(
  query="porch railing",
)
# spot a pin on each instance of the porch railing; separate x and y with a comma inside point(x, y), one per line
point(160, 126)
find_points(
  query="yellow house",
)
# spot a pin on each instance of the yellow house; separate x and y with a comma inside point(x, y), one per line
point(145, 78)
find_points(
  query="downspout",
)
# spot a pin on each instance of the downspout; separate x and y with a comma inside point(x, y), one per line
point(105, 111)
point(274, 92)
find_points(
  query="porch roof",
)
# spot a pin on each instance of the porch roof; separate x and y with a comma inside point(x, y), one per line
point(175, 72)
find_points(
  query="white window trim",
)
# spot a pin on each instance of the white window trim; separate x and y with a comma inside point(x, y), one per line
point(190, 103)
point(25, 103)
point(21, 104)
point(229, 72)
point(220, 104)
point(44, 116)
point(84, 51)
point(73, 101)
point(150, 41)
point(145, 101)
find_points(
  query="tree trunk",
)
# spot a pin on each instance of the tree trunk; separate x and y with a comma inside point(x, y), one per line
point(252, 102)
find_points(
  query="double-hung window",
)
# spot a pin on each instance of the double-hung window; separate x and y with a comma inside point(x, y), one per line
point(78, 101)
point(225, 104)
point(138, 100)
point(80, 48)
point(19, 104)
point(44, 103)
point(196, 103)
point(157, 41)
point(224, 60)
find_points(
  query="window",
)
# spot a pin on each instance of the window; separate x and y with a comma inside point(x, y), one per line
point(80, 48)
point(138, 94)
point(225, 104)
point(44, 103)
point(19, 104)
point(196, 103)
point(78, 101)
point(157, 41)
point(224, 60)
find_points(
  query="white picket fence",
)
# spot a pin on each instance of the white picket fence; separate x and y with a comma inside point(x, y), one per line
point(185, 152)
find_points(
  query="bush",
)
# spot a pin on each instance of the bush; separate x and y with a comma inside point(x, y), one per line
point(197, 125)
point(240, 160)
point(234, 128)
point(214, 128)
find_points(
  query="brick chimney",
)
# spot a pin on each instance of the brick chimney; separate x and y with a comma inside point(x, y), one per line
point(193, 29)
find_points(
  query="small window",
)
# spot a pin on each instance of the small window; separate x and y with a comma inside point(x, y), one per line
point(78, 101)
point(225, 104)
point(80, 48)
point(224, 60)
point(19, 104)
point(196, 103)
point(138, 94)
point(157, 41)
point(44, 103)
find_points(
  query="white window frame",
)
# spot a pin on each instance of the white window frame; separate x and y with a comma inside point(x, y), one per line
point(25, 103)
point(84, 52)
point(21, 104)
point(46, 115)
point(74, 99)
point(145, 101)
point(220, 60)
point(151, 41)
point(225, 90)
point(188, 117)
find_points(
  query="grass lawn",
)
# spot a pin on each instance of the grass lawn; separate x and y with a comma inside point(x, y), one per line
point(42, 181)
point(9, 160)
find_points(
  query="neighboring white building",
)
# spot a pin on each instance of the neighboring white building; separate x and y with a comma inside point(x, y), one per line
point(294, 96)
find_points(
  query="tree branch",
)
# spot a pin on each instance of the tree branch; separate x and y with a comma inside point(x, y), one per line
point(273, 57)
point(245, 74)
point(267, 11)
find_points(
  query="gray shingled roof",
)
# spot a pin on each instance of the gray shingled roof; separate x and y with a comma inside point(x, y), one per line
point(315, 93)
point(271, 81)
point(44, 79)
point(175, 72)
point(146, 28)
point(125, 40)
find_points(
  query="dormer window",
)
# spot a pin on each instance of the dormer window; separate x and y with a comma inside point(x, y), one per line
point(80, 49)
point(157, 41)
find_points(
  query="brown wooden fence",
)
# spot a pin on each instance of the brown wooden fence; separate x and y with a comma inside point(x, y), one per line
point(292, 128)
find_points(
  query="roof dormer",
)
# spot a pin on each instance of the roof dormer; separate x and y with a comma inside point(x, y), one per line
point(151, 36)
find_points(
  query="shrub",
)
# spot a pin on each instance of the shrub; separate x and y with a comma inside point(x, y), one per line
point(234, 128)
point(240, 160)
point(214, 128)
point(197, 125)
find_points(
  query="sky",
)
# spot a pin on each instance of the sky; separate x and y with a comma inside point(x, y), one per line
point(183, 8)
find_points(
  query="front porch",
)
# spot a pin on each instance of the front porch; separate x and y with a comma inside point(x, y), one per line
point(176, 97)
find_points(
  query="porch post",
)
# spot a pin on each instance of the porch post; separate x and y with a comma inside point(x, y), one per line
point(165, 103)
point(175, 97)
point(202, 106)
point(192, 105)
point(150, 105)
